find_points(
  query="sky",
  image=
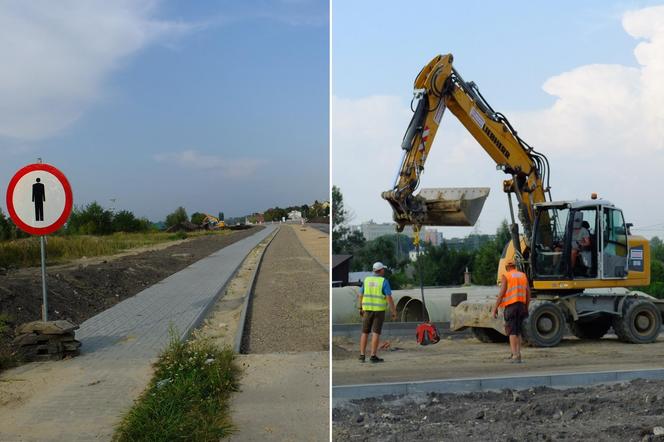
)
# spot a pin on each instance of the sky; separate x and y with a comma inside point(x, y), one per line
point(148, 105)
point(582, 82)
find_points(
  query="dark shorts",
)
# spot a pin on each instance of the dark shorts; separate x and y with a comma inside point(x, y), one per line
point(373, 322)
point(514, 316)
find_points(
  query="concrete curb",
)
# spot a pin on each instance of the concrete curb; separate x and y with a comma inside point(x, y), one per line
point(198, 321)
point(342, 393)
point(239, 334)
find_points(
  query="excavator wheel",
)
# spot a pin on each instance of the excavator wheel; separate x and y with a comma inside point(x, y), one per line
point(593, 329)
point(545, 324)
point(640, 322)
point(488, 335)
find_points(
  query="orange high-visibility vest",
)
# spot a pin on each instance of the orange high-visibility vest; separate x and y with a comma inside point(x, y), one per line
point(517, 284)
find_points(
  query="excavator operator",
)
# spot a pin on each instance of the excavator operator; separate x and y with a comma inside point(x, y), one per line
point(580, 241)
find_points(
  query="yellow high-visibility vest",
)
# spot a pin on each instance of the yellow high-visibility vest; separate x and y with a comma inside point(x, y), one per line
point(373, 299)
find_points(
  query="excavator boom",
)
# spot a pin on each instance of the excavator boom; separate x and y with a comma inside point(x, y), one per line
point(439, 87)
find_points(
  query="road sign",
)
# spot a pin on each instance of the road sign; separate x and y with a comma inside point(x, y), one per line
point(39, 199)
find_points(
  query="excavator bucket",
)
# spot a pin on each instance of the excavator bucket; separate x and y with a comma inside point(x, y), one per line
point(452, 206)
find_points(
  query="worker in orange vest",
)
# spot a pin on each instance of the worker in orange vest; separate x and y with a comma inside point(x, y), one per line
point(514, 298)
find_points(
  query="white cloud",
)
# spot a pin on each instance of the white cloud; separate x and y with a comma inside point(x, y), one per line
point(56, 57)
point(228, 167)
point(604, 133)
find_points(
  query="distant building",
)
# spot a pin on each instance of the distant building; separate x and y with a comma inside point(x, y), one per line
point(295, 215)
point(372, 230)
point(340, 270)
point(433, 237)
point(255, 218)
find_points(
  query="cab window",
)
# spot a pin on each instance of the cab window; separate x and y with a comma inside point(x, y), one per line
point(583, 243)
point(614, 244)
point(550, 243)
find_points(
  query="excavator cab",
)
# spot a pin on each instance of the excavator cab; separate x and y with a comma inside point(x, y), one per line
point(580, 240)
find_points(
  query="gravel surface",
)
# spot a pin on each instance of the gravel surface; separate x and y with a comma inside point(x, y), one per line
point(80, 290)
point(466, 357)
point(289, 309)
point(631, 411)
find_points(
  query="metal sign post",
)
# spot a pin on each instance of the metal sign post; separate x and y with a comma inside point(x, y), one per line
point(39, 201)
point(43, 274)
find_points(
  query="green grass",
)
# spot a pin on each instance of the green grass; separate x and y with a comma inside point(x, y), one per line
point(61, 249)
point(187, 398)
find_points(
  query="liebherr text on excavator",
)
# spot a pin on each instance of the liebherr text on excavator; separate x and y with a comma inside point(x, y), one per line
point(577, 254)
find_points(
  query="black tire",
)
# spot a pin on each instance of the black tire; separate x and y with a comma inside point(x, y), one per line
point(640, 322)
point(592, 329)
point(545, 324)
point(489, 335)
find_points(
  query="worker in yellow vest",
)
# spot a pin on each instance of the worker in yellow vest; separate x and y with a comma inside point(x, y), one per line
point(514, 298)
point(375, 296)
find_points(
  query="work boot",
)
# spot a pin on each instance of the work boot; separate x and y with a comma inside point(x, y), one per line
point(362, 358)
point(376, 359)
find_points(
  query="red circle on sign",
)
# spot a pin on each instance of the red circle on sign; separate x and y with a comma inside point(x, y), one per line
point(68, 199)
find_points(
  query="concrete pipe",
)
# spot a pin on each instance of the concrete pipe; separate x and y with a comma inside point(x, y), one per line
point(409, 302)
point(345, 305)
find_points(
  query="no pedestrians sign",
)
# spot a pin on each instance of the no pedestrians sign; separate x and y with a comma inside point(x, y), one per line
point(39, 199)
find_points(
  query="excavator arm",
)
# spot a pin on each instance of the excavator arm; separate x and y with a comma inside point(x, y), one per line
point(439, 87)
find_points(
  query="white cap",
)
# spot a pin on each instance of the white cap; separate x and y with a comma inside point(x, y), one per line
point(378, 266)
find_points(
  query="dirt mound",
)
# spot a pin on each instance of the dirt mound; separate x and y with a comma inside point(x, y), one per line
point(79, 291)
point(621, 412)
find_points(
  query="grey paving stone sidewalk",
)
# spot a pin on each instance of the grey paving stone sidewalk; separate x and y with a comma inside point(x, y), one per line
point(82, 398)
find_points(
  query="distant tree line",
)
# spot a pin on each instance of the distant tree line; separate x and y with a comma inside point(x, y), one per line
point(445, 264)
point(93, 219)
point(277, 213)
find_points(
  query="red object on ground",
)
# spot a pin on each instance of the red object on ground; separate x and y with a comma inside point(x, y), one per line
point(427, 333)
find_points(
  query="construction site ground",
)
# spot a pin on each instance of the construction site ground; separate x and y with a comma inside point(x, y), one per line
point(83, 398)
point(81, 289)
point(625, 411)
point(630, 411)
point(285, 383)
point(466, 357)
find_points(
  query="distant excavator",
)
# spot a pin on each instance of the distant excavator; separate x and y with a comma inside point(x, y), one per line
point(564, 264)
point(212, 223)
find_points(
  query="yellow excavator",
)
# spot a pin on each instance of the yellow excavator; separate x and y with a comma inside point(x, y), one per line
point(577, 254)
point(212, 223)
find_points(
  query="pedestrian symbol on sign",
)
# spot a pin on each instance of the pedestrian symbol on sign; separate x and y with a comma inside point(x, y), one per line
point(38, 197)
point(26, 194)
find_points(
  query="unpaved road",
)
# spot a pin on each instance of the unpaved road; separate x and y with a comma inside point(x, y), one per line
point(285, 383)
point(467, 358)
point(80, 290)
point(618, 412)
point(290, 305)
